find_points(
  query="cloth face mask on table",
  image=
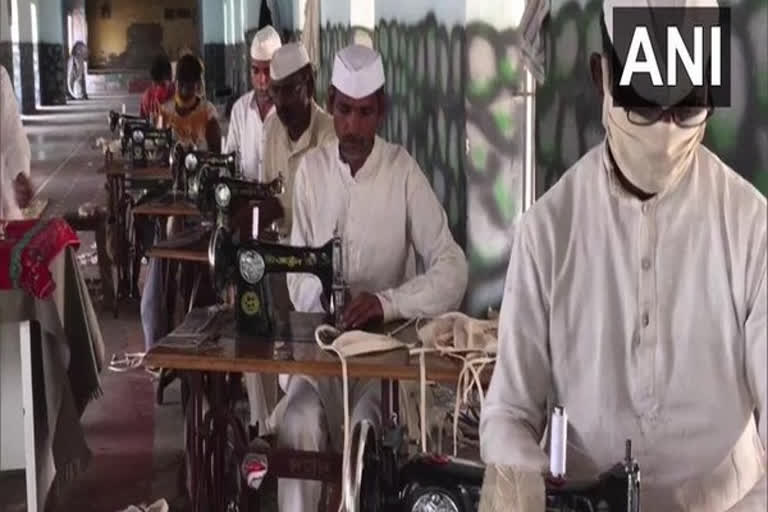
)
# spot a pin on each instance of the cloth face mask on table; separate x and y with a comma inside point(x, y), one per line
point(345, 345)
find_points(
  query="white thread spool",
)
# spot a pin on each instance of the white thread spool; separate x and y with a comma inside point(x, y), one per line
point(255, 223)
point(223, 143)
point(123, 108)
point(558, 441)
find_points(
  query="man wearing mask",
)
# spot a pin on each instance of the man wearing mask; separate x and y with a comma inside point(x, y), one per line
point(15, 155)
point(667, 347)
point(377, 198)
point(246, 125)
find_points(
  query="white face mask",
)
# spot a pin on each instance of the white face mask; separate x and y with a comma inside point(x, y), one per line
point(651, 157)
point(357, 343)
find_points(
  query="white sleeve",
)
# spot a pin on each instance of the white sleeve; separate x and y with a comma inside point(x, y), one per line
point(441, 287)
point(756, 336)
point(14, 146)
point(304, 290)
point(514, 413)
point(233, 134)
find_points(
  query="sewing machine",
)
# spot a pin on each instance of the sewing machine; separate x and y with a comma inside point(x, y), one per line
point(247, 264)
point(218, 196)
point(200, 166)
point(127, 124)
point(150, 146)
point(378, 481)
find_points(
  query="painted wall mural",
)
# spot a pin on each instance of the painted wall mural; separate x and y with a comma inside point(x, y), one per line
point(568, 110)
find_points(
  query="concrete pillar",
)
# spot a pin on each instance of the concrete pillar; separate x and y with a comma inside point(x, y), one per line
point(6, 53)
point(52, 52)
point(214, 47)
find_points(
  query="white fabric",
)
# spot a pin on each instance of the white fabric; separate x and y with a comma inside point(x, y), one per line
point(265, 43)
point(15, 154)
point(311, 33)
point(287, 60)
point(346, 345)
point(357, 71)
point(471, 341)
point(646, 321)
point(651, 157)
point(246, 135)
point(387, 208)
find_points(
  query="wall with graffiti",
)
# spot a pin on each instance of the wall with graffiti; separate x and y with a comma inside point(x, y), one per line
point(568, 110)
point(459, 106)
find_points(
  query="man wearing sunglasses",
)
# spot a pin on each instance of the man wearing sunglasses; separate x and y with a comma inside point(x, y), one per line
point(636, 298)
point(246, 124)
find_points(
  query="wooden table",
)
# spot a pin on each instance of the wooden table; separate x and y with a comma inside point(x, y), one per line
point(216, 440)
point(196, 250)
point(120, 179)
point(167, 206)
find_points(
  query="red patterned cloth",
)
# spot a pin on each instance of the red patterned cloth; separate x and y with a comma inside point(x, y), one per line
point(27, 251)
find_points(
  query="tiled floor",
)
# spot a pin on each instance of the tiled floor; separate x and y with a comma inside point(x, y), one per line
point(136, 445)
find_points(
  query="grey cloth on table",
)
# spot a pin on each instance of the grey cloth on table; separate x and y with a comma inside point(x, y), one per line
point(71, 357)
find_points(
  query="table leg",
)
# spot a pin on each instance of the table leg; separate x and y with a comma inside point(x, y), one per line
point(28, 401)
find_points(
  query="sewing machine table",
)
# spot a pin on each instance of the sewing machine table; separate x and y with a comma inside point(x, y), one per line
point(213, 373)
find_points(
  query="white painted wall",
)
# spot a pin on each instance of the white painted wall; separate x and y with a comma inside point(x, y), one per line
point(213, 21)
point(5, 22)
point(335, 11)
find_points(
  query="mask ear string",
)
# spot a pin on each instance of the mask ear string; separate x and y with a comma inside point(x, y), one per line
point(328, 347)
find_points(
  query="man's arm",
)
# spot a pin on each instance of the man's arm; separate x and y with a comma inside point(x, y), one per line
point(515, 407)
point(305, 290)
point(233, 134)
point(441, 287)
point(756, 336)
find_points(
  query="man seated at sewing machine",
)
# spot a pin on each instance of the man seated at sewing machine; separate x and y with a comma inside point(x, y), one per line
point(636, 298)
point(298, 126)
point(193, 120)
point(377, 199)
point(246, 123)
point(191, 117)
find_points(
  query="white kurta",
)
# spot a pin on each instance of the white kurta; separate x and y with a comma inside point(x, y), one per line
point(246, 135)
point(647, 321)
point(382, 213)
point(15, 154)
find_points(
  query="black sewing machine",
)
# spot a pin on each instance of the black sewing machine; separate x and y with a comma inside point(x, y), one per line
point(150, 145)
point(438, 482)
point(127, 124)
point(218, 195)
point(248, 262)
point(200, 166)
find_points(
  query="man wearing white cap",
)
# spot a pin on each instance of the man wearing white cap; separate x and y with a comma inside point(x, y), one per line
point(636, 298)
point(246, 124)
point(379, 201)
point(300, 124)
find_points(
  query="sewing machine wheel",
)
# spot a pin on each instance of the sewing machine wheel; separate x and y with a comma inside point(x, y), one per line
point(365, 489)
point(433, 499)
point(220, 257)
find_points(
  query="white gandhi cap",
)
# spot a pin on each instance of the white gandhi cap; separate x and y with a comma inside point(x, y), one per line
point(265, 43)
point(357, 71)
point(287, 60)
point(610, 5)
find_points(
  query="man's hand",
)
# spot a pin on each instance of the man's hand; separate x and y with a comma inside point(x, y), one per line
point(23, 189)
point(363, 310)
